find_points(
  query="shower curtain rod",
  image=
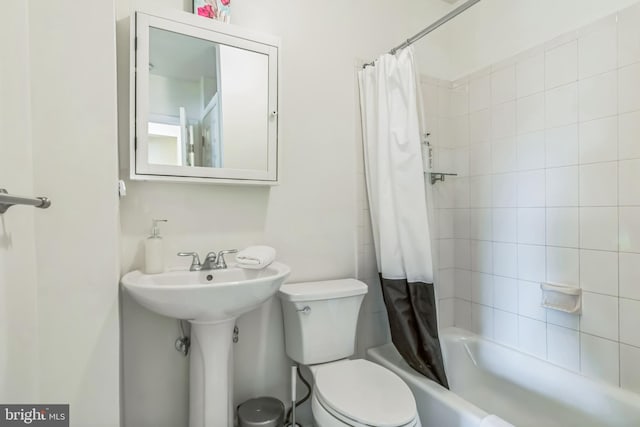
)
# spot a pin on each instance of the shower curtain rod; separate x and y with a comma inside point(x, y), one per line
point(446, 18)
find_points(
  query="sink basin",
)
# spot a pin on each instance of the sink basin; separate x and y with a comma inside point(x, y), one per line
point(205, 296)
point(211, 301)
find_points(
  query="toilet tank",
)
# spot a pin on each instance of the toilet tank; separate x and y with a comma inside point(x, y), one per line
point(320, 319)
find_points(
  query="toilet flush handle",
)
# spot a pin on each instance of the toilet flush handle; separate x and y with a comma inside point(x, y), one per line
point(305, 310)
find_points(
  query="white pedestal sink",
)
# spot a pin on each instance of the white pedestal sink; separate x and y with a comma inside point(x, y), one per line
point(211, 301)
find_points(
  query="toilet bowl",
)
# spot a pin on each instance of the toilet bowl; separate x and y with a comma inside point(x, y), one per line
point(320, 320)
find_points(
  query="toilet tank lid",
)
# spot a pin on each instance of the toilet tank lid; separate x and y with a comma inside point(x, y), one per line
point(326, 289)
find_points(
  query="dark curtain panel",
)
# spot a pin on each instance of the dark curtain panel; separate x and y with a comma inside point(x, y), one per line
point(411, 308)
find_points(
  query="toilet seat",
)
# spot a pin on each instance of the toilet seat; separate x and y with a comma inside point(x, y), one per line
point(361, 393)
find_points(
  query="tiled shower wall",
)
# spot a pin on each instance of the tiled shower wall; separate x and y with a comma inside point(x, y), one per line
point(547, 148)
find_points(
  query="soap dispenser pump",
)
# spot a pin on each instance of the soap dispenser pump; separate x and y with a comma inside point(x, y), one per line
point(153, 250)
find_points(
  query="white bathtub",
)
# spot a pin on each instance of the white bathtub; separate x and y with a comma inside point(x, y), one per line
point(488, 378)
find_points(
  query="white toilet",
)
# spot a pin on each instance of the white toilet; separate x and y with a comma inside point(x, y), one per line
point(320, 321)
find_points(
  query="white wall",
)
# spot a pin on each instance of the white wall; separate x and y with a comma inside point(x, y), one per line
point(59, 267)
point(311, 218)
point(496, 29)
point(547, 147)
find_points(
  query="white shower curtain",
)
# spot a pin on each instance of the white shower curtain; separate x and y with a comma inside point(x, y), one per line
point(396, 189)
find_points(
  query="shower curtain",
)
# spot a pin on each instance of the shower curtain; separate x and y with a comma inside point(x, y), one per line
point(397, 202)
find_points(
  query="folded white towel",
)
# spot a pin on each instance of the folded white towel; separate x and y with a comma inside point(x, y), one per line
point(494, 421)
point(256, 257)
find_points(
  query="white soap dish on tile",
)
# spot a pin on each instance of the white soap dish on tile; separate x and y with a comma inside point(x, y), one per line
point(561, 297)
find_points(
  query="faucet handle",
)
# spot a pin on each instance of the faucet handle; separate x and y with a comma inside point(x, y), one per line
point(221, 263)
point(195, 262)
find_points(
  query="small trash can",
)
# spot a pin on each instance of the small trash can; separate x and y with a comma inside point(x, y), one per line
point(261, 412)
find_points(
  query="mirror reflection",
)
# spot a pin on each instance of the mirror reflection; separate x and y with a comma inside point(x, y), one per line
point(208, 103)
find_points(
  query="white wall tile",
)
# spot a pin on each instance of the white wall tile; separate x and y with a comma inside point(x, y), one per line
point(562, 186)
point(505, 328)
point(480, 191)
point(629, 88)
point(599, 272)
point(561, 106)
point(461, 191)
point(598, 96)
point(480, 126)
point(445, 286)
point(503, 120)
point(566, 320)
point(463, 284)
point(531, 150)
point(482, 320)
point(503, 85)
point(629, 135)
point(531, 263)
point(482, 288)
point(459, 131)
point(561, 65)
point(529, 298)
point(505, 259)
point(459, 102)
point(599, 140)
point(629, 372)
point(563, 227)
point(599, 315)
point(629, 178)
point(628, 36)
point(531, 188)
point(444, 101)
point(530, 113)
point(599, 358)
point(597, 50)
point(563, 266)
point(629, 321)
point(482, 256)
point(504, 156)
point(446, 254)
point(630, 229)
point(460, 161)
point(446, 314)
point(505, 294)
point(531, 226)
point(462, 314)
point(530, 75)
point(445, 223)
point(481, 224)
point(505, 225)
point(461, 223)
point(462, 253)
point(629, 265)
point(505, 190)
point(532, 337)
point(563, 347)
point(599, 228)
point(443, 195)
point(480, 93)
point(599, 184)
point(561, 145)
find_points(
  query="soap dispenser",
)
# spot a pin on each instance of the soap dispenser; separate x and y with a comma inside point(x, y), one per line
point(153, 250)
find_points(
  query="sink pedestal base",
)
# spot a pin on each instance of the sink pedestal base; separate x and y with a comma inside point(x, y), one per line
point(211, 374)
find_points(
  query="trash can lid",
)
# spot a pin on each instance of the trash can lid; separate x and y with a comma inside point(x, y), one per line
point(261, 411)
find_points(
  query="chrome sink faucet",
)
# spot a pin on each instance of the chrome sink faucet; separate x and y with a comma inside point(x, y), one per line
point(212, 261)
